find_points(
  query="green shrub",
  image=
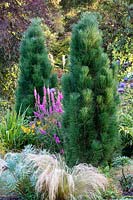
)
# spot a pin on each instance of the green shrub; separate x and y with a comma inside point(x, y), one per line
point(35, 68)
point(90, 98)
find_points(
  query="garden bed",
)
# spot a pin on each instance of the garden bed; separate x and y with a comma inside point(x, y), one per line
point(9, 198)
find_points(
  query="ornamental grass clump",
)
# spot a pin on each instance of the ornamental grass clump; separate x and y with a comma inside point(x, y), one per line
point(37, 174)
point(55, 181)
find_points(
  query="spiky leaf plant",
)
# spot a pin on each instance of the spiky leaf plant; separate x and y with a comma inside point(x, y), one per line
point(11, 136)
point(35, 67)
point(90, 99)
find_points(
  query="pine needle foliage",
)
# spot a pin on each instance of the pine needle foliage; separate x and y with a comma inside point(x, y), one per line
point(35, 67)
point(90, 98)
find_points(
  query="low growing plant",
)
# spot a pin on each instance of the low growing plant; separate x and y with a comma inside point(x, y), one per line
point(125, 89)
point(15, 177)
point(11, 136)
point(45, 127)
point(126, 181)
point(46, 176)
point(58, 181)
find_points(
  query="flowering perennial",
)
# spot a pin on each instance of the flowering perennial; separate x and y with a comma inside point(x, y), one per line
point(48, 114)
point(50, 105)
point(46, 124)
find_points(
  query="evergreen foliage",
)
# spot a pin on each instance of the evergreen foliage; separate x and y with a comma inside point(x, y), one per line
point(35, 68)
point(90, 98)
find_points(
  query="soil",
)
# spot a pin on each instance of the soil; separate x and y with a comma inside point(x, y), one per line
point(9, 198)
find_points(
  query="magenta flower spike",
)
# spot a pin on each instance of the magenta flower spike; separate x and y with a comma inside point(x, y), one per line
point(60, 95)
point(57, 139)
point(59, 124)
point(35, 93)
point(50, 110)
point(48, 92)
point(52, 90)
point(43, 132)
point(44, 96)
point(53, 100)
point(42, 108)
point(38, 99)
point(44, 91)
point(62, 151)
point(36, 114)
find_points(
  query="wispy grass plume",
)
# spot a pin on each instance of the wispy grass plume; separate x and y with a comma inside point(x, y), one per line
point(63, 183)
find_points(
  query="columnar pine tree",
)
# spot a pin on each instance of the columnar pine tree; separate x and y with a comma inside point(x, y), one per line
point(35, 68)
point(90, 98)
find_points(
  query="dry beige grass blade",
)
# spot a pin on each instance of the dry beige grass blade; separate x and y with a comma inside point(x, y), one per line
point(41, 162)
point(54, 179)
point(57, 183)
point(61, 183)
point(88, 181)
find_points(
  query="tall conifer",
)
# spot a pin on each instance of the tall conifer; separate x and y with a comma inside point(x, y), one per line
point(90, 99)
point(35, 67)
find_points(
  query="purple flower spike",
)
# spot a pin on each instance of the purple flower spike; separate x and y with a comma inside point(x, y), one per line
point(60, 110)
point(38, 99)
point(121, 90)
point(43, 132)
point(52, 90)
point(62, 151)
point(122, 85)
point(35, 93)
point(36, 114)
point(42, 108)
point(44, 91)
point(131, 85)
point(60, 95)
point(59, 124)
point(57, 139)
point(48, 91)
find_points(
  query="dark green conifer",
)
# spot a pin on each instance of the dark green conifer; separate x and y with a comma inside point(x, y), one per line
point(90, 99)
point(35, 67)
